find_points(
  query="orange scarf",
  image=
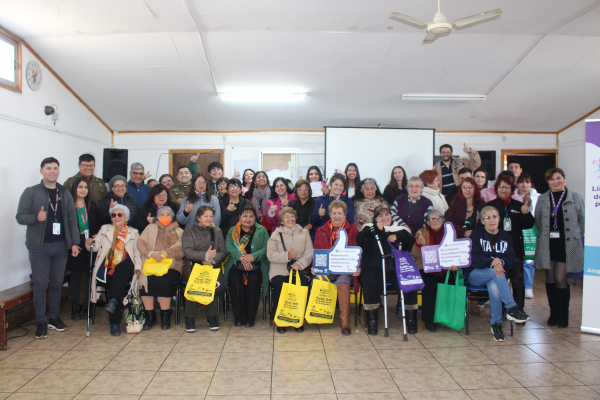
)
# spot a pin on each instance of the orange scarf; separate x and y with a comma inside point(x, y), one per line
point(334, 232)
point(118, 252)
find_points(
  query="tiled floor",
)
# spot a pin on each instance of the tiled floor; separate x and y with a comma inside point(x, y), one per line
point(257, 363)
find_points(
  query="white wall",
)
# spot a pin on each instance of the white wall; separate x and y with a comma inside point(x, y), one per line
point(29, 136)
point(571, 154)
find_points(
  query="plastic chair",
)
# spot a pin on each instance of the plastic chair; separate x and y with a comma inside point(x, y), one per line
point(477, 293)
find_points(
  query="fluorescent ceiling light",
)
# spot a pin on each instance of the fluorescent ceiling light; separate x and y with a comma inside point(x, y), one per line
point(273, 97)
point(451, 97)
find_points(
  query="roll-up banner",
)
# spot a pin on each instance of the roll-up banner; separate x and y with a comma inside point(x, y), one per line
point(590, 322)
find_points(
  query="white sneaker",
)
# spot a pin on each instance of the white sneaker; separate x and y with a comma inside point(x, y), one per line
point(529, 293)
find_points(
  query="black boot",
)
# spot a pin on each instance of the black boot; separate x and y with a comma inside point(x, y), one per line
point(165, 319)
point(75, 315)
point(564, 298)
point(372, 318)
point(150, 319)
point(552, 302)
point(411, 321)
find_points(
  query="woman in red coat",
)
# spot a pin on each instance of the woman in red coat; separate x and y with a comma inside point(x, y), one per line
point(325, 238)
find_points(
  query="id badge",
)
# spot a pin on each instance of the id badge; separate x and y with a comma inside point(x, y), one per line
point(555, 235)
point(86, 233)
point(56, 228)
point(507, 224)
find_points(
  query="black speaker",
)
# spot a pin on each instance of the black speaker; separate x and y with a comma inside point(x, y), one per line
point(115, 163)
point(488, 162)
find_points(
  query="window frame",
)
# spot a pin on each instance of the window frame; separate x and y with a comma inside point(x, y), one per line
point(19, 82)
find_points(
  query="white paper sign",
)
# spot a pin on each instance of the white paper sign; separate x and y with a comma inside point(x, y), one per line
point(316, 189)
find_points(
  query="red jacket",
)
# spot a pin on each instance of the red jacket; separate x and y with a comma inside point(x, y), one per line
point(323, 236)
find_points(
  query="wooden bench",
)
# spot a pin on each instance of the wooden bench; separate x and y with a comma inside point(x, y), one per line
point(11, 298)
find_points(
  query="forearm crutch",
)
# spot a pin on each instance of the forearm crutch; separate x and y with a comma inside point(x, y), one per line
point(383, 257)
point(90, 287)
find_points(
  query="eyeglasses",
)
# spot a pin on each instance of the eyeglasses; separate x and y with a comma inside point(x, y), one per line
point(119, 186)
point(116, 215)
point(492, 218)
point(136, 173)
point(504, 187)
point(234, 187)
point(414, 187)
point(200, 182)
point(161, 195)
point(467, 187)
point(87, 165)
point(302, 189)
point(435, 219)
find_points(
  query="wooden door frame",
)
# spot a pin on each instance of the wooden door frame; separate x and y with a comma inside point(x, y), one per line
point(172, 152)
point(505, 153)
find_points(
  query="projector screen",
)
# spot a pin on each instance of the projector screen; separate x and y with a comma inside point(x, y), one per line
point(377, 151)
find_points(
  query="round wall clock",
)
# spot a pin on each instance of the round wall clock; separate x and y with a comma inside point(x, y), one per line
point(34, 75)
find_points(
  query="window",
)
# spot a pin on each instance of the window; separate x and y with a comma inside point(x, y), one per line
point(10, 61)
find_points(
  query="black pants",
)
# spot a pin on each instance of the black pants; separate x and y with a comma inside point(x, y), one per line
point(429, 293)
point(117, 284)
point(516, 274)
point(244, 298)
point(75, 285)
point(161, 286)
point(371, 280)
point(278, 282)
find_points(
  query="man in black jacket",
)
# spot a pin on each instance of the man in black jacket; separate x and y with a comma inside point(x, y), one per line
point(48, 211)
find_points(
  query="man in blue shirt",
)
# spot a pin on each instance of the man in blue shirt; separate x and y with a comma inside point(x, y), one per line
point(136, 187)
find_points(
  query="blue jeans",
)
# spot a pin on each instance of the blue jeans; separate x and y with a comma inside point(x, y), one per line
point(529, 271)
point(497, 288)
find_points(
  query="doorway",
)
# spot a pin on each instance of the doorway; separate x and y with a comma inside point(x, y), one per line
point(534, 163)
point(178, 158)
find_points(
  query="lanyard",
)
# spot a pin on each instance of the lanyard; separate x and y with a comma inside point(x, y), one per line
point(556, 207)
point(84, 217)
point(52, 207)
point(506, 212)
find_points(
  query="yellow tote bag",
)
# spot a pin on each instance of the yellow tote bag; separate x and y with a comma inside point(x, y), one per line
point(201, 284)
point(156, 268)
point(292, 303)
point(321, 304)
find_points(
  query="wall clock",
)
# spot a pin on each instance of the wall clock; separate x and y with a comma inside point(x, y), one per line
point(34, 75)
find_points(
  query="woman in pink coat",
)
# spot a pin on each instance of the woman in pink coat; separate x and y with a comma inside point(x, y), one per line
point(281, 195)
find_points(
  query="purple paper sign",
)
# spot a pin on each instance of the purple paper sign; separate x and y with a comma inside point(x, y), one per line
point(450, 252)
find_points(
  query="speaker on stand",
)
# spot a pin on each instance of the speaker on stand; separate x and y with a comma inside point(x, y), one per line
point(115, 163)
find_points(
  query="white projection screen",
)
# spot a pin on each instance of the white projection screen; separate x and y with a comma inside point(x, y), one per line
point(377, 151)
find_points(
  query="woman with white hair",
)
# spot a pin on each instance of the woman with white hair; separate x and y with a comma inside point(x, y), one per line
point(117, 260)
point(410, 209)
point(160, 240)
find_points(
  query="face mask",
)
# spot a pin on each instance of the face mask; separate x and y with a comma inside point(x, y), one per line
point(165, 220)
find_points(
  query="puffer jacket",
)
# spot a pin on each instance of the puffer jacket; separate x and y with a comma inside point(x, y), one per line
point(126, 200)
point(196, 242)
point(298, 239)
point(157, 237)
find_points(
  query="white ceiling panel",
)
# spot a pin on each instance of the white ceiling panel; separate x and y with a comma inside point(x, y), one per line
point(560, 52)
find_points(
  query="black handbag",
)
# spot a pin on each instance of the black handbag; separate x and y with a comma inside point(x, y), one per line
point(303, 272)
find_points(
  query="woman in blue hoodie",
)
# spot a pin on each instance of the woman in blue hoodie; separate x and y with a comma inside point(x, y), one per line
point(492, 256)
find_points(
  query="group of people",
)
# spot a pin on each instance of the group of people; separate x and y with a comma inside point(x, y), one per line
point(256, 232)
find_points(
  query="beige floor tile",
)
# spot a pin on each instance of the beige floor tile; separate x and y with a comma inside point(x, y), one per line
point(138, 361)
point(486, 338)
point(300, 397)
point(301, 382)
point(442, 339)
point(106, 397)
point(151, 344)
point(116, 383)
point(408, 358)
point(452, 356)
point(13, 379)
point(5, 395)
point(557, 352)
point(369, 396)
point(575, 335)
point(260, 329)
point(519, 354)
point(592, 347)
point(423, 379)
point(247, 344)
point(179, 384)
point(300, 361)
point(595, 389)
point(294, 343)
point(543, 374)
point(243, 361)
point(42, 396)
point(334, 329)
point(535, 336)
point(257, 397)
point(350, 381)
point(88, 360)
point(200, 397)
point(191, 362)
point(395, 342)
point(564, 392)
point(446, 395)
point(104, 329)
point(193, 343)
point(362, 359)
point(175, 330)
point(501, 394)
point(6, 353)
point(344, 343)
point(59, 381)
point(31, 358)
point(240, 383)
point(482, 377)
point(202, 330)
point(586, 372)
point(55, 342)
point(104, 343)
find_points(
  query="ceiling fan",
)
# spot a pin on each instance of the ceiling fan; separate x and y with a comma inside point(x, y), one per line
point(440, 25)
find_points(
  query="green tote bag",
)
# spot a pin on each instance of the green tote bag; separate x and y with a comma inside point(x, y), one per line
point(450, 304)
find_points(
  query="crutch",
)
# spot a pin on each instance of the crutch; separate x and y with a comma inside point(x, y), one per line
point(90, 287)
point(383, 257)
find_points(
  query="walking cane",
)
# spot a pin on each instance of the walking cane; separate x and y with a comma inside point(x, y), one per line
point(383, 257)
point(90, 287)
